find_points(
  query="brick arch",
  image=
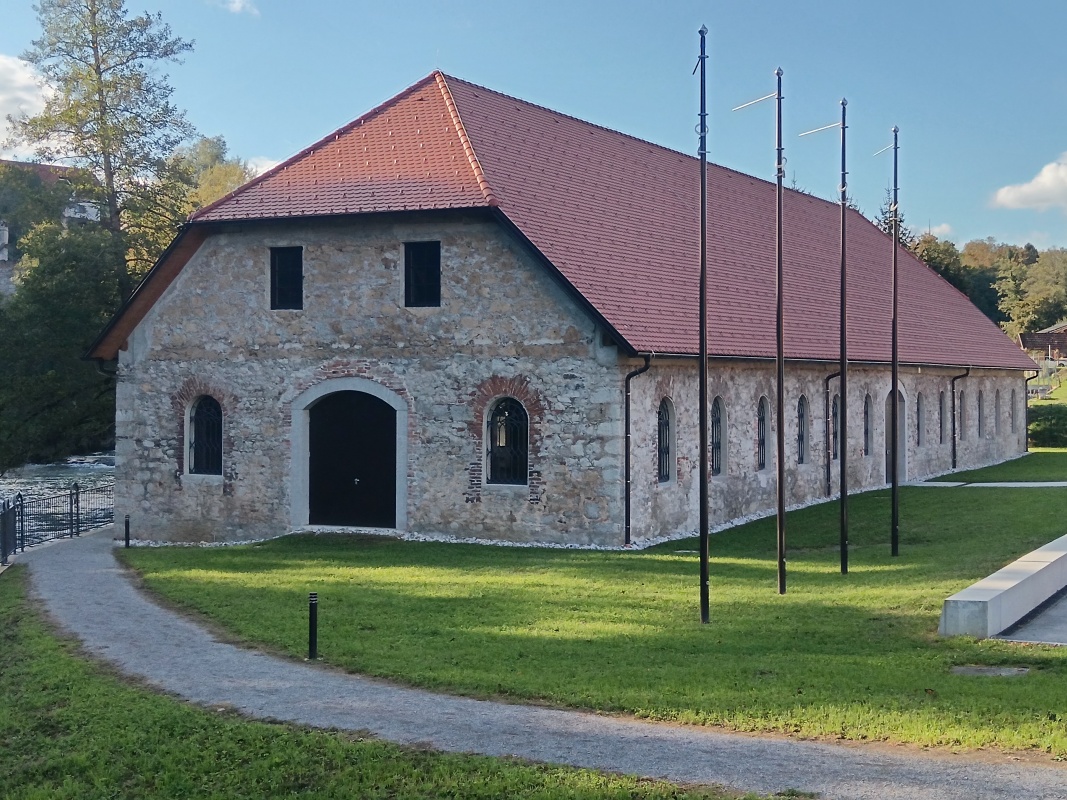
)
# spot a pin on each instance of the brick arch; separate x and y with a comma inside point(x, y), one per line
point(181, 401)
point(481, 399)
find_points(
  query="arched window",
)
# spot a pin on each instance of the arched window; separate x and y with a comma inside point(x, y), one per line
point(867, 425)
point(761, 434)
point(508, 433)
point(996, 413)
point(981, 415)
point(716, 436)
point(1011, 411)
point(835, 426)
point(664, 440)
point(802, 430)
point(941, 418)
point(205, 436)
point(920, 420)
point(963, 415)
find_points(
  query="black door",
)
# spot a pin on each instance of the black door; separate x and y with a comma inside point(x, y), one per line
point(352, 469)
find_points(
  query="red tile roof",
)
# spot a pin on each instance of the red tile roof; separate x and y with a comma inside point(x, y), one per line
point(618, 218)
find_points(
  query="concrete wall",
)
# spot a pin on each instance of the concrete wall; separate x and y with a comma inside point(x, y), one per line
point(666, 508)
point(503, 328)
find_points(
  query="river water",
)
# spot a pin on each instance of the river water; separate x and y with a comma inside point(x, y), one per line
point(45, 480)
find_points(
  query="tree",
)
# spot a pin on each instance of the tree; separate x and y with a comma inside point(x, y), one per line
point(27, 199)
point(884, 220)
point(1033, 296)
point(112, 114)
point(52, 403)
point(212, 173)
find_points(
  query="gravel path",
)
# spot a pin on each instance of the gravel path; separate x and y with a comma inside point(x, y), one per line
point(88, 594)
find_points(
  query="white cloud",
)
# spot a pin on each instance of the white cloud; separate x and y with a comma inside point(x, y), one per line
point(21, 92)
point(942, 231)
point(239, 6)
point(1047, 189)
point(261, 164)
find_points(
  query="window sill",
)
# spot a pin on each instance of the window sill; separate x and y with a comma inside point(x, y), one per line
point(506, 487)
point(200, 477)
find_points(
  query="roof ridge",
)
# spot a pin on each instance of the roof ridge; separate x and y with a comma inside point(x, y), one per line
point(638, 139)
point(331, 136)
point(468, 146)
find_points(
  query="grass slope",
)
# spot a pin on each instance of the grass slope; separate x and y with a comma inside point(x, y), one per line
point(853, 656)
point(71, 731)
point(1042, 464)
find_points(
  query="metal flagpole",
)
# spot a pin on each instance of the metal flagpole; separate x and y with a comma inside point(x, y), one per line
point(843, 445)
point(842, 448)
point(779, 323)
point(895, 529)
point(894, 430)
point(702, 129)
point(780, 334)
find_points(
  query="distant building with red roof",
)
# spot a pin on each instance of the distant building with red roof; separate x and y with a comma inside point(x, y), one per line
point(438, 320)
point(1050, 342)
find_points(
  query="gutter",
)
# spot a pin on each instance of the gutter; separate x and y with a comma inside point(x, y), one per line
point(1026, 411)
point(826, 429)
point(954, 431)
point(629, 377)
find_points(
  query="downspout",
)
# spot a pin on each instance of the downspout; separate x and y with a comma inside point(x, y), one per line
point(629, 377)
point(1026, 412)
point(953, 387)
point(111, 373)
point(826, 430)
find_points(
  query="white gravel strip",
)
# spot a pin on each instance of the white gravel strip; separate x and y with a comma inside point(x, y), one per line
point(89, 595)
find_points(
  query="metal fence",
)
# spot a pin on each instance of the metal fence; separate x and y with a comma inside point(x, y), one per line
point(24, 523)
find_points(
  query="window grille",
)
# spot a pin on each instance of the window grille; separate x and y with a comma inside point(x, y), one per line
point(422, 274)
point(802, 430)
point(761, 434)
point(835, 422)
point(919, 419)
point(664, 448)
point(866, 426)
point(508, 434)
point(205, 445)
point(287, 277)
point(716, 436)
point(941, 418)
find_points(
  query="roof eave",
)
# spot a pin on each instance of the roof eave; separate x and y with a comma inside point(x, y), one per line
point(148, 291)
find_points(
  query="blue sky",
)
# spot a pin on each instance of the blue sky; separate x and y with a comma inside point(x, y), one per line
point(978, 87)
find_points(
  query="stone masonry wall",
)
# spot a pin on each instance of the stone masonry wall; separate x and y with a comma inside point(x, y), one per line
point(672, 507)
point(503, 328)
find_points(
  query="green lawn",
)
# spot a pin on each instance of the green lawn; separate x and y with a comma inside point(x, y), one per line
point(1042, 464)
point(854, 657)
point(1057, 395)
point(71, 731)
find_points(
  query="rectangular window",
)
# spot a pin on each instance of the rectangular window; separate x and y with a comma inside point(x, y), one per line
point(287, 277)
point(422, 274)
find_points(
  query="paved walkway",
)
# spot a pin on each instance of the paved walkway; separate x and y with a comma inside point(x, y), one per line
point(88, 594)
point(1048, 626)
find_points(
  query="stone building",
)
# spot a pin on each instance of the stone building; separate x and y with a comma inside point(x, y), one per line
point(464, 314)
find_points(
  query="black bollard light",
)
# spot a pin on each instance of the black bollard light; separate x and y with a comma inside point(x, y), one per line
point(313, 626)
point(127, 531)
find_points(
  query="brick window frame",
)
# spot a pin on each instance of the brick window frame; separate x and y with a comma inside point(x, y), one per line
point(482, 400)
point(182, 402)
